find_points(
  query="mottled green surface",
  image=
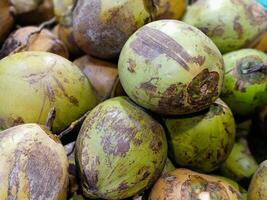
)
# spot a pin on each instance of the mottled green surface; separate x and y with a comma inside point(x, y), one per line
point(172, 68)
point(32, 83)
point(240, 164)
point(231, 24)
point(204, 141)
point(120, 150)
point(243, 92)
point(257, 188)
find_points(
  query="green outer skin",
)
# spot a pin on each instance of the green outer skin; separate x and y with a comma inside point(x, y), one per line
point(257, 188)
point(168, 166)
point(120, 150)
point(79, 197)
point(152, 76)
point(231, 24)
point(33, 164)
point(243, 95)
point(202, 142)
point(34, 82)
point(240, 164)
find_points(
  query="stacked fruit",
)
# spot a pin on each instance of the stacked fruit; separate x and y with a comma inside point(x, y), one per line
point(107, 99)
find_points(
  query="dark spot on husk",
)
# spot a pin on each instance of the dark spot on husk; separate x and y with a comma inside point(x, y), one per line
point(149, 88)
point(256, 14)
point(240, 86)
point(118, 135)
point(155, 146)
point(205, 30)
point(151, 43)
point(195, 185)
point(203, 88)
point(173, 97)
point(199, 60)
point(9, 46)
point(91, 173)
point(131, 65)
point(238, 27)
point(18, 121)
point(217, 31)
point(123, 186)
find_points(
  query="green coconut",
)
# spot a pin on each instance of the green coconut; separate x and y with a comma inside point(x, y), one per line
point(231, 24)
point(33, 164)
point(120, 150)
point(257, 188)
point(240, 164)
point(245, 82)
point(170, 67)
point(204, 141)
point(33, 83)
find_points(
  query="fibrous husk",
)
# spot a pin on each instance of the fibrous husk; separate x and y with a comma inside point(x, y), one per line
point(32, 38)
point(6, 20)
point(101, 74)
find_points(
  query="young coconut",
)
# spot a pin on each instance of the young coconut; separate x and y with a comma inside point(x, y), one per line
point(183, 184)
point(101, 74)
point(6, 20)
point(120, 150)
point(170, 67)
point(240, 164)
point(33, 164)
point(100, 27)
point(203, 141)
point(245, 81)
point(257, 188)
point(32, 38)
point(231, 24)
point(32, 83)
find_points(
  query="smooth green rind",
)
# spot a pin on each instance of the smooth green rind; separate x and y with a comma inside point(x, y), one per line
point(170, 67)
point(32, 83)
point(120, 150)
point(202, 142)
point(244, 93)
point(240, 164)
point(231, 24)
point(257, 188)
point(33, 164)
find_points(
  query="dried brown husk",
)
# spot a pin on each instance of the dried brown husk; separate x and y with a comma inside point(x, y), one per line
point(102, 75)
point(32, 38)
point(42, 13)
point(6, 20)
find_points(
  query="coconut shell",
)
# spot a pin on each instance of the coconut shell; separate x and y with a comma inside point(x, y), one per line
point(101, 74)
point(31, 38)
point(183, 184)
point(33, 164)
